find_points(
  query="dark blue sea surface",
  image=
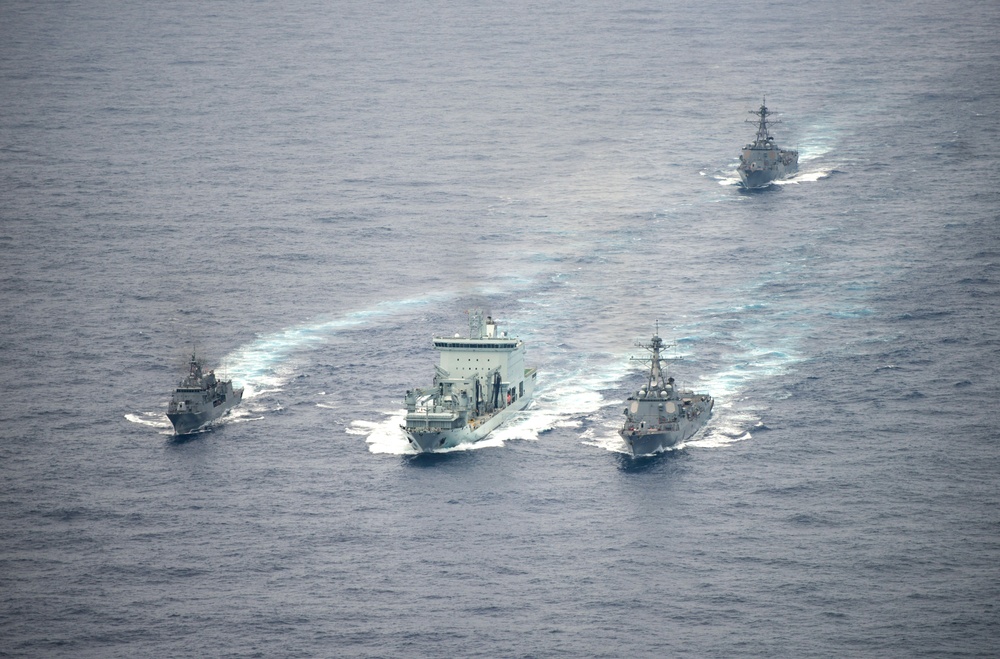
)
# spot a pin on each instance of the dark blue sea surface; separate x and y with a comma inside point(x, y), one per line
point(306, 192)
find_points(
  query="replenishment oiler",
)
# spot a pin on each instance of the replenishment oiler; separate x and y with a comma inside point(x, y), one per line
point(200, 399)
point(661, 415)
point(480, 383)
point(761, 161)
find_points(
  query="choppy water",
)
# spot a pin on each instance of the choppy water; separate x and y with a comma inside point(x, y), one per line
point(308, 191)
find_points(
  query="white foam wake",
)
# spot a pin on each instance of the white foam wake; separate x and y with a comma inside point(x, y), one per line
point(156, 420)
point(385, 436)
point(565, 400)
point(805, 177)
point(818, 142)
point(727, 426)
point(266, 364)
point(732, 178)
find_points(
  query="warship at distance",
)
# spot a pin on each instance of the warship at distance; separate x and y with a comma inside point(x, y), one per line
point(661, 415)
point(761, 161)
point(200, 399)
point(480, 382)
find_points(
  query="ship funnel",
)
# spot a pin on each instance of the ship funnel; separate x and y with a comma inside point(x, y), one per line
point(491, 327)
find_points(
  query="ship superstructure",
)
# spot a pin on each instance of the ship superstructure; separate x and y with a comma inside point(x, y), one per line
point(761, 161)
point(481, 381)
point(660, 414)
point(200, 399)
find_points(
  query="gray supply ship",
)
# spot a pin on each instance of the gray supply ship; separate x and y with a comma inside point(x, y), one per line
point(200, 399)
point(660, 414)
point(480, 383)
point(762, 161)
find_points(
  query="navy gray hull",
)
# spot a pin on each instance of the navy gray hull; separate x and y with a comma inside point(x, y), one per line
point(660, 414)
point(762, 162)
point(480, 383)
point(200, 399)
point(427, 440)
point(188, 422)
point(753, 180)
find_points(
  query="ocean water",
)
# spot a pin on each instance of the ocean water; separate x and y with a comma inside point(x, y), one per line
point(306, 192)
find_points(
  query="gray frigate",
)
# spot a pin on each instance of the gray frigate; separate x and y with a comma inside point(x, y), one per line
point(480, 382)
point(761, 161)
point(660, 414)
point(200, 399)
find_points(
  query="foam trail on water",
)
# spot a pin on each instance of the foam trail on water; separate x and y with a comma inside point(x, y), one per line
point(746, 367)
point(818, 142)
point(263, 365)
point(727, 426)
point(729, 180)
point(157, 420)
point(384, 436)
point(805, 177)
point(761, 350)
point(564, 400)
point(606, 437)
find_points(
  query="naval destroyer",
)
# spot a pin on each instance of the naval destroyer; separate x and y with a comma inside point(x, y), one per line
point(200, 399)
point(480, 382)
point(762, 161)
point(660, 415)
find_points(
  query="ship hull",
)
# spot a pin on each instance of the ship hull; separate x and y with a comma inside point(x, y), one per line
point(187, 422)
point(765, 176)
point(761, 178)
point(649, 443)
point(652, 441)
point(436, 440)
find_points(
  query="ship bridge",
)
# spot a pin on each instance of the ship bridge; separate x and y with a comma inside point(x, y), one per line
point(483, 351)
